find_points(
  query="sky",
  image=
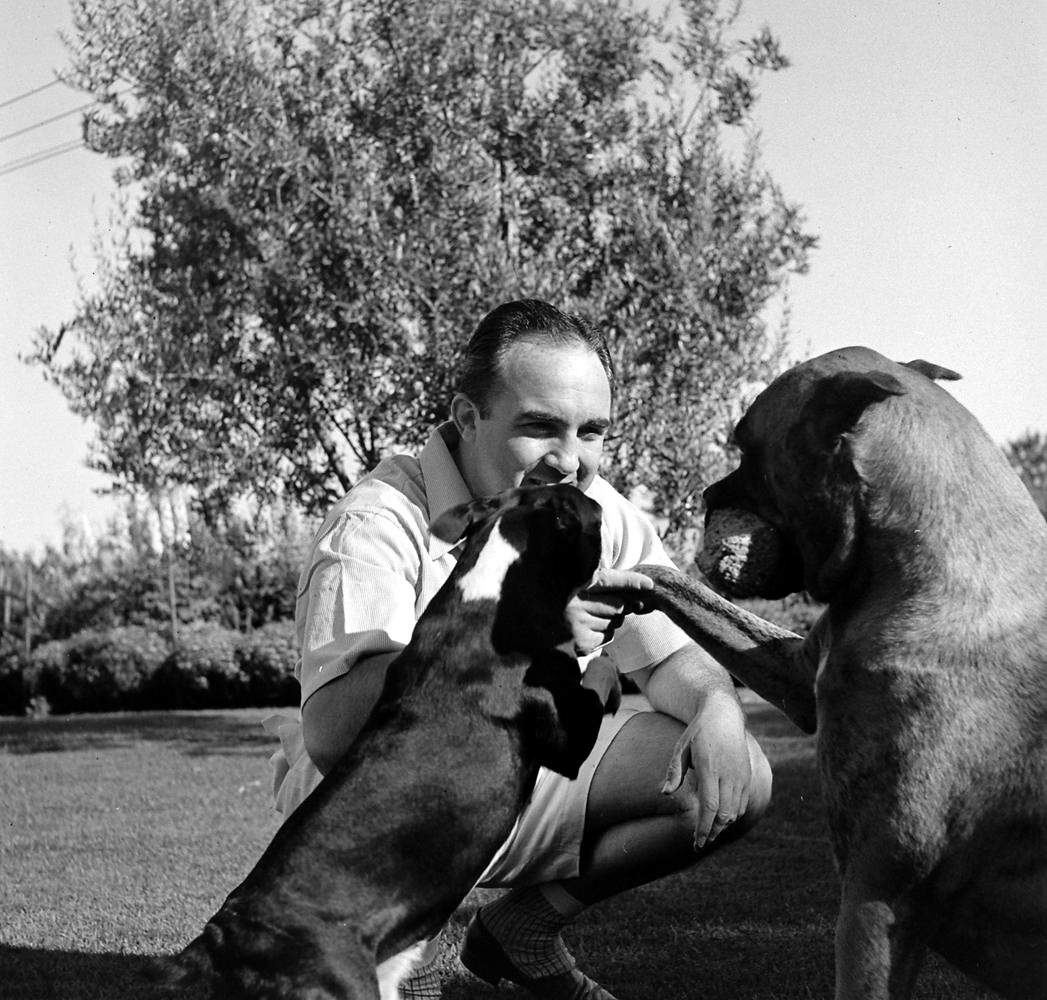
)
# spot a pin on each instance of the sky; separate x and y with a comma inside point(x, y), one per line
point(912, 133)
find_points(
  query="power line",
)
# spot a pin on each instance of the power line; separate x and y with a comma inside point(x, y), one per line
point(46, 121)
point(29, 93)
point(44, 154)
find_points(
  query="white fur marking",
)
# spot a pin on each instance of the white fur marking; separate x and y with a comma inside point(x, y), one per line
point(393, 971)
point(484, 580)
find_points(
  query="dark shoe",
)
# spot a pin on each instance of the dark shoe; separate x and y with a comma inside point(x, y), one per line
point(483, 956)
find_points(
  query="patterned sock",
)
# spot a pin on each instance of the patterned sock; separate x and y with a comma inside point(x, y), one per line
point(422, 984)
point(527, 925)
point(424, 981)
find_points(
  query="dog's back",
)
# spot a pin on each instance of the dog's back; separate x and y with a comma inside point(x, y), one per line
point(945, 656)
point(975, 648)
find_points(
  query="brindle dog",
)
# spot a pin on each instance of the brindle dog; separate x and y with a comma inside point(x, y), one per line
point(896, 509)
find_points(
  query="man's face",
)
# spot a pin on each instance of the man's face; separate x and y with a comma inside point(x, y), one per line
point(546, 421)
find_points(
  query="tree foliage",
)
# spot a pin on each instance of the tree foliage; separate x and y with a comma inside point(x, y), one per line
point(328, 195)
point(239, 571)
point(1028, 457)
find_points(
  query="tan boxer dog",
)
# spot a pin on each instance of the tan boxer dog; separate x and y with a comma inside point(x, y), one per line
point(895, 508)
point(378, 857)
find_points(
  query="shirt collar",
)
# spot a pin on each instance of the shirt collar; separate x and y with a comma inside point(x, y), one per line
point(444, 485)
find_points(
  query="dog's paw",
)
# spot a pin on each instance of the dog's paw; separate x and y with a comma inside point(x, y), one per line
point(601, 676)
point(740, 551)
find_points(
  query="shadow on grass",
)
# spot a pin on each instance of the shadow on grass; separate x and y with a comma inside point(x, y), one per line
point(197, 733)
point(218, 731)
point(42, 974)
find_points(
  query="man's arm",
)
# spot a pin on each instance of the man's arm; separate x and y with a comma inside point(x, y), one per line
point(356, 611)
point(691, 686)
point(334, 714)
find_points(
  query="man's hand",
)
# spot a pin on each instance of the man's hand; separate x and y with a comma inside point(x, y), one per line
point(596, 611)
point(715, 745)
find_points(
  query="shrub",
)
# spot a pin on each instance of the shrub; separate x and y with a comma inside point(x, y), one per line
point(96, 670)
point(46, 666)
point(797, 612)
point(201, 672)
point(14, 692)
point(267, 658)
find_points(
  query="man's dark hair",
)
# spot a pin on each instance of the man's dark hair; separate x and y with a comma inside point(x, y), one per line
point(481, 364)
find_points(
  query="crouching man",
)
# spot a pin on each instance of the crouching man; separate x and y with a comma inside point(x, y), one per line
point(533, 407)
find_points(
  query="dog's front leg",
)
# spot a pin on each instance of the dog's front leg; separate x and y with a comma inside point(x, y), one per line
point(880, 944)
point(563, 711)
point(777, 664)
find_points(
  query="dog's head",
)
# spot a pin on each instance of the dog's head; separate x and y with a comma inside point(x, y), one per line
point(527, 551)
point(799, 469)
point(554, 529)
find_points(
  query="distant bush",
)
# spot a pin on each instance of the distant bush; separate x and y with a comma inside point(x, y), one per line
point(134, 667)
point(267, 657)
point(96, 670)
point(13, 693)
point(202, 671)
point(798, 612)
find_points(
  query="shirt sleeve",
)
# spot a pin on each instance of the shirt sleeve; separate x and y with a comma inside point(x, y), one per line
point(630, 539)
point(357, 595)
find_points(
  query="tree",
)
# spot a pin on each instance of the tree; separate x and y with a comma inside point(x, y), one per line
point(1028, 457)
point(330, 194)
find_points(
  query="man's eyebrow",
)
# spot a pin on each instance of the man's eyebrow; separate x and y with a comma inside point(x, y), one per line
point(543, 417)
point(538, 416)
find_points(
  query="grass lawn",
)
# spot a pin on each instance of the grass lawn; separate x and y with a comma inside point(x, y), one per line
point(123, 833)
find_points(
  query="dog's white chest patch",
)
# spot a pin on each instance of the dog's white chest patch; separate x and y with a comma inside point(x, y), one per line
point(484, 580)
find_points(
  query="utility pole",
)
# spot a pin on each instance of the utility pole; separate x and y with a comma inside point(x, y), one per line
point(28, 608)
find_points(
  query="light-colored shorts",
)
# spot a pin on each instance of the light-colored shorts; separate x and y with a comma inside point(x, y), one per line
point(546, 843)
point(543, 846)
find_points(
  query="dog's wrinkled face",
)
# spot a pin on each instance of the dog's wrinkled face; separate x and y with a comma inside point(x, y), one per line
point(556, 526)
point(798, 468)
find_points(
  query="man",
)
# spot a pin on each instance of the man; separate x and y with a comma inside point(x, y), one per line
point(533, 407)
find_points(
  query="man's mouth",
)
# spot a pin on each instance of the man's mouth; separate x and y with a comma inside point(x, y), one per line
point(535, 481)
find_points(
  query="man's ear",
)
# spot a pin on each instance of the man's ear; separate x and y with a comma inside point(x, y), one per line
point(465, 414)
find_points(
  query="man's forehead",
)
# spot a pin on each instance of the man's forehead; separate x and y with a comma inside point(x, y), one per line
point(565, 378)
point(548, 352)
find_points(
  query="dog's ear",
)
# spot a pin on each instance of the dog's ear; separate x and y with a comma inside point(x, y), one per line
point(456, 522)
point(932, 371)
point(838, 401)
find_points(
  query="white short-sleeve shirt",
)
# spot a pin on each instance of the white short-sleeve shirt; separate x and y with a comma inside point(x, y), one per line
point(374, 566)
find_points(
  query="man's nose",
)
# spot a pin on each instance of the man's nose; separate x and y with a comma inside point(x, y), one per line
point(564, 458)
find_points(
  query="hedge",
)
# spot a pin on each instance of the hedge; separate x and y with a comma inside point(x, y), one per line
point(96, 670)
point(132, 667)
point(128, 668)
point(264, 656)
